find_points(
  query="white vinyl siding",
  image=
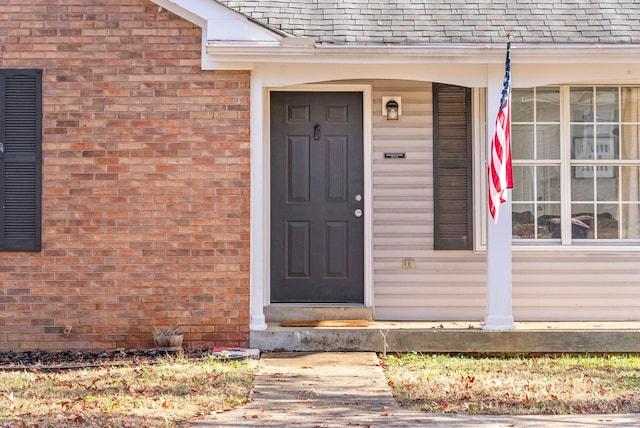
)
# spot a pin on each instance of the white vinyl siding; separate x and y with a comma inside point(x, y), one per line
point(446, 285)
point(576, 287)
point(451, 285)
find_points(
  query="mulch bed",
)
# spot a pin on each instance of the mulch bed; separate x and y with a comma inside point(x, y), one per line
point(66, 360)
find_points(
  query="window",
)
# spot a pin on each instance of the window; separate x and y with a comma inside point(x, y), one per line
point(576, 152)
point(535, 140)
point(20, 159)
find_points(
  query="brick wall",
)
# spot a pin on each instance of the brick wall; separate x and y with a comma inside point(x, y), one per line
point(145, 210)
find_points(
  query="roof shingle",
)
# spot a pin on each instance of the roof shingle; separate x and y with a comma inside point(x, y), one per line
point(455, 21)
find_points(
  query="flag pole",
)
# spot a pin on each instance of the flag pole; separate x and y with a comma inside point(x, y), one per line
point(499, 310)
point(500, 170)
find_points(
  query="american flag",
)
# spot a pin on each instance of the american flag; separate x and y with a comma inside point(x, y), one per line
point(500, 171)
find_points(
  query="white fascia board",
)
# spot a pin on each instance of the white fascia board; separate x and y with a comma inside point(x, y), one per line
point(222, 52)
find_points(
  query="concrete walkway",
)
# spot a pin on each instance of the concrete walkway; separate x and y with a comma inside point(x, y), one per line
point(336, 389)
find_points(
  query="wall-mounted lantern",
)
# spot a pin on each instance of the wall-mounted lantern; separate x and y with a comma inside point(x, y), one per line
point(391, 107)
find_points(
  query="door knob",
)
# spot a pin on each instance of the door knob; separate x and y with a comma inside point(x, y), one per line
point(358, 213)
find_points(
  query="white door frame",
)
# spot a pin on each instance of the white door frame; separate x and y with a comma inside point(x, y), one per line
point(261, 188)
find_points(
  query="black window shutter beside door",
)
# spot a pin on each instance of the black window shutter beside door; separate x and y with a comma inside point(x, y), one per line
point(20, 159)
point(453, 227)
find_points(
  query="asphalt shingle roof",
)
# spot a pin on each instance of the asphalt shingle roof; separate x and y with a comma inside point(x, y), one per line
point(452, 21)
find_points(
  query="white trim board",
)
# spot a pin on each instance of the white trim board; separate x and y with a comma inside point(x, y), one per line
point(260, 185)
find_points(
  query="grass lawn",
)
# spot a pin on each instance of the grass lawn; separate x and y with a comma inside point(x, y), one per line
point(164, 394)
point(177, 389)
point(515, 385)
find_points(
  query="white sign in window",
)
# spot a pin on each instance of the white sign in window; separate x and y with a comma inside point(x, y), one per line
point(588, 149)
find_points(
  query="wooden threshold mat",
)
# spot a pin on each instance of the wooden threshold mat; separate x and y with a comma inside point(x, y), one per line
point(325, 323)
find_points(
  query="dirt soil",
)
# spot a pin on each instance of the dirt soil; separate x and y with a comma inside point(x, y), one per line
point(43, 360)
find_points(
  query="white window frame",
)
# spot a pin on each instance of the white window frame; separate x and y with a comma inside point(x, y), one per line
point(566, 244)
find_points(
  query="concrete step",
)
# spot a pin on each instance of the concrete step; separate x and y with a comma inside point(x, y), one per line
point(453, 337)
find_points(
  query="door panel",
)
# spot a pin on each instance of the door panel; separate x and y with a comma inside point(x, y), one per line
point(298, 173)
point(317, 253)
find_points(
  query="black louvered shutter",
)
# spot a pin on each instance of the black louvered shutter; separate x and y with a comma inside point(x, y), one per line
point(453, 228)
point(20, 159)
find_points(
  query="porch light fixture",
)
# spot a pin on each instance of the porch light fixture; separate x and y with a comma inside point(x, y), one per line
point(391, 107)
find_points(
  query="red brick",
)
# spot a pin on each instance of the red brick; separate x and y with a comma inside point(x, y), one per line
point(145, 182)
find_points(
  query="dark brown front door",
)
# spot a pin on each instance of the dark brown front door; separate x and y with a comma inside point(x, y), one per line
point(317, 200)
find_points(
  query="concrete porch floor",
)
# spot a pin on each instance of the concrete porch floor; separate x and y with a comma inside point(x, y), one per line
point(455, 336)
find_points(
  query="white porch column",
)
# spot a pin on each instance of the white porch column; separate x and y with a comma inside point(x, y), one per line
point(258, 207)
point(499, 315)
